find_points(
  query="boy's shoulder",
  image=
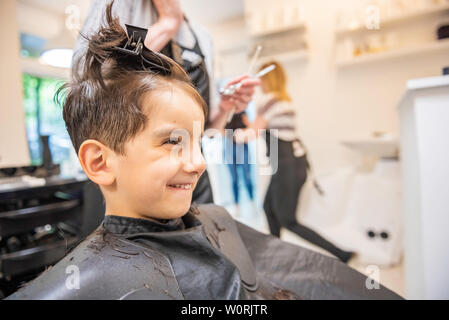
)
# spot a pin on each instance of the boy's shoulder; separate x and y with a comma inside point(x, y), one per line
point(107, 266)
point(224, 234)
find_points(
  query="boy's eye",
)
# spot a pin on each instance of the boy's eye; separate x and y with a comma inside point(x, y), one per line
point(173, 140)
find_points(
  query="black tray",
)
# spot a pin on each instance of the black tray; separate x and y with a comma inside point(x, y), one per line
point(23, 220)
point(23, 261)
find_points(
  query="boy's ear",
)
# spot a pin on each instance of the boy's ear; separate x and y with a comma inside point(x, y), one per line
point(95, 160)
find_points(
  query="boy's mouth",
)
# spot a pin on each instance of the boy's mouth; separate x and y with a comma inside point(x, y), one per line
point(186, 186)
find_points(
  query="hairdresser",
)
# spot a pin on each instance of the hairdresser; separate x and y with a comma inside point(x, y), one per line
point(277, 113)
point(172, 34)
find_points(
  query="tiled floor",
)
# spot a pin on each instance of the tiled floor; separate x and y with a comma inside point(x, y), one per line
point(392, 278)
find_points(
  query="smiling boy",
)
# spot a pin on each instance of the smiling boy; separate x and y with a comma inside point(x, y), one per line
point(132, 116)
point(149, 180)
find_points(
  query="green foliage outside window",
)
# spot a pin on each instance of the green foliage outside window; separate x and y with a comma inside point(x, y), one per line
point(43, 116)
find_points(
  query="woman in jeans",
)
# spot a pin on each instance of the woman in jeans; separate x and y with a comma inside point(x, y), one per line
point(237, 156)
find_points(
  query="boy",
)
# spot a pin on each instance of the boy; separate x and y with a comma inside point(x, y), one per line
point(133, 118)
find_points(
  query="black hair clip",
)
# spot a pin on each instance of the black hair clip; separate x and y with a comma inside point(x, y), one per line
point(134, 47)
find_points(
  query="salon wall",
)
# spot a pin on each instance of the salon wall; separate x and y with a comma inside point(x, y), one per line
point(333, 103)
point(13, 143)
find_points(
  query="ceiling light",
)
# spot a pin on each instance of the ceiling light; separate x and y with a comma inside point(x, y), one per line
point(61, 58)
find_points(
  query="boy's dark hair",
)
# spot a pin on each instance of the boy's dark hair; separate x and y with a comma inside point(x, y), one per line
point(103, 100)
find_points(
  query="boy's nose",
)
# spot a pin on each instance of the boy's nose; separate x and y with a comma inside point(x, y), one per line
point(196, 162)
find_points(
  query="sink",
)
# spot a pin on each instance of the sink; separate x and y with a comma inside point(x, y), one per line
point(383, 147)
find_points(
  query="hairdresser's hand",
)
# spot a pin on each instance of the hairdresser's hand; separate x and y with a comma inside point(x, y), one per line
point(242, 96)
point(166, 27)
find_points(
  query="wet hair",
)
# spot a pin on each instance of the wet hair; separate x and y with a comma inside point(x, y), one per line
point(103, 101)
point(275, 82)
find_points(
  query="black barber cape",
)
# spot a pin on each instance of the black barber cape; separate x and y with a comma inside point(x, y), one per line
point(203, 255)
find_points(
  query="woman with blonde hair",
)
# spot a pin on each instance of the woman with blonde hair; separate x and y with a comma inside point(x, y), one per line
point(276, 111)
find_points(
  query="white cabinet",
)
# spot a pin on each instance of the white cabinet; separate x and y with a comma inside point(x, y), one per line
point(424, 121)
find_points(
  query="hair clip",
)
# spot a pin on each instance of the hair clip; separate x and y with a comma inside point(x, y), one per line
point(134, 47)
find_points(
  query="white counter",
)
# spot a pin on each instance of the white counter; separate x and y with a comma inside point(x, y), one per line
point(424, 121)
point(423, 83)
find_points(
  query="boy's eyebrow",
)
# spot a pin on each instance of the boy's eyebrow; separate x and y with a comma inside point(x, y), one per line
point(164, 131)
point(167, 130)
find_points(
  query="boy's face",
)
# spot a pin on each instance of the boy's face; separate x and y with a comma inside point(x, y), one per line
point(162, 164)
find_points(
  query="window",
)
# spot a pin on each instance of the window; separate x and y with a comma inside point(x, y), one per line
point(43, 116)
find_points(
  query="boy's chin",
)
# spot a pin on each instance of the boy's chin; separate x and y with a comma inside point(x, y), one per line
point(177, 211)
point(168, 210)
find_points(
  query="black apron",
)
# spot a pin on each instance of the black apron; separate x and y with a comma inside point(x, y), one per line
point(197, 72)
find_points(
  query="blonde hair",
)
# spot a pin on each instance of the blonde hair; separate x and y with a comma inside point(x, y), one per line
point(275, 81)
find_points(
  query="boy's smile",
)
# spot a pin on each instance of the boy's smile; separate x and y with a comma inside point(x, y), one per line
point(156, 176)
point(180, 186)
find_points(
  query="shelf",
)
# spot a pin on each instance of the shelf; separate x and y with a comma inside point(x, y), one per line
point(286, 56)
point(433, 11)
point(272, 31)
point(26, 260)
point(435, 46)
